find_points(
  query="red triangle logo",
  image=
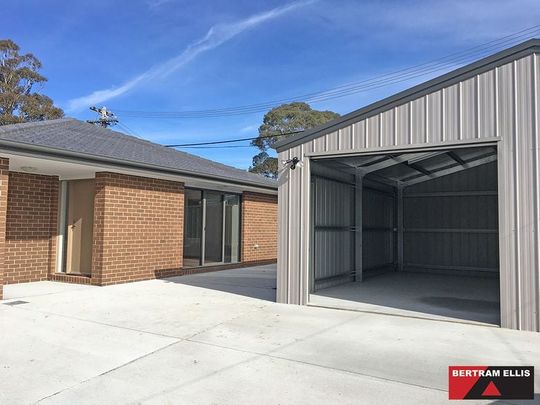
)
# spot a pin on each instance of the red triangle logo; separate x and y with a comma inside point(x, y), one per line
point(491, 391)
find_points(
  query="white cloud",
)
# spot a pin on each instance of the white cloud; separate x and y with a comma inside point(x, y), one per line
point(216, 36)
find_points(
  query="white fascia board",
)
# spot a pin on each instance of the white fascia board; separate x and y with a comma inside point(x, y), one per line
point(71, 169)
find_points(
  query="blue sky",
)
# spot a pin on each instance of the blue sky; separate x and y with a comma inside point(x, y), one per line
point(175, 55)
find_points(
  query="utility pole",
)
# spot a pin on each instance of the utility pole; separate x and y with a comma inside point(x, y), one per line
point(106, 117)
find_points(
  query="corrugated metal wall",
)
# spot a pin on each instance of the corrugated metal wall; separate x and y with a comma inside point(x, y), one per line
point(497, 105)
point(333, 245)
point(378, 236)
point(451, 223)
point(294, 230)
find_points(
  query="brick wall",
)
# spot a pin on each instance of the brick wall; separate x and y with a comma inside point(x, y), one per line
point(4, 180)
point(138, 228)
point(259, 227)
point(30, 249)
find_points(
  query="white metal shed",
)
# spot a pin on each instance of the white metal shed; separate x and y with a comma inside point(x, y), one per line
point(439, 180)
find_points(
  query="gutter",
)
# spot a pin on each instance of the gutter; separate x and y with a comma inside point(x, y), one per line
point(78, 157)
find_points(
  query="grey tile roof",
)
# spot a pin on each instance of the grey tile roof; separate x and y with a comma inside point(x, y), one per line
point(71, 135)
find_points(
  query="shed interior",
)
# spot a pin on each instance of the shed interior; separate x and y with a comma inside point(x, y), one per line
point(411, 233)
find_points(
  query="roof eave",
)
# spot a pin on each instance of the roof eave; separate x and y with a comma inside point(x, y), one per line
point(78, 157)
point(480, 66)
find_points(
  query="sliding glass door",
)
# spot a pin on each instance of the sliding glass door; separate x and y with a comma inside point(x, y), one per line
point(211, 228)
point(193, 225)
point(231, 243)
point(213, 235)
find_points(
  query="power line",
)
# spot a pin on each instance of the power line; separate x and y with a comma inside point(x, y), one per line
point(125, 128)
point(185, 145)
point(341, 90)
point(218, 147)
point(128, 130)
point(352, 88)
point(203, 145)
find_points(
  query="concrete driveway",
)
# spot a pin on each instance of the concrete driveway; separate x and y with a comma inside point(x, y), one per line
point(218, 338)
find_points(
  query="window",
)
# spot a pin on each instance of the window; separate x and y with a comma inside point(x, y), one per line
point(193, 220)
point(211, 228)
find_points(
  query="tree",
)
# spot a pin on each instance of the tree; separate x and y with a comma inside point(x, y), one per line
point(19, 74)
point(284, 119)
point(265, 165)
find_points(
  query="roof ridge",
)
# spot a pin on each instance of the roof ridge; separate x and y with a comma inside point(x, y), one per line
point(30, 124)
point(173, 150)
point(147, 149)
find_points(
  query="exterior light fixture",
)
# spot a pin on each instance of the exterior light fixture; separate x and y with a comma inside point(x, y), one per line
point(292, 162)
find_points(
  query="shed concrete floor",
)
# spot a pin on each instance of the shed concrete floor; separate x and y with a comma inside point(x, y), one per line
point(217, 338)
point(436, 296)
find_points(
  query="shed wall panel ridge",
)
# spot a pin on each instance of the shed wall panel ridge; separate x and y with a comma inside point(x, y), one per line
point(387, 128)
point(451, 113)
point(418, 122)
point(359, 135)
point(506, 224)
point(332, 141)
point(526, 183)
point(295, 225)
point(434, 117)
point(282, 283)
point(536, 131)
point(402, 130)
point(468, 109)
point(372, 131)
point(345, 138)
point(486, 105)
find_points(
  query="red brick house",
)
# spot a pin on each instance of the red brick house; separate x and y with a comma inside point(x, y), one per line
point(85, 204)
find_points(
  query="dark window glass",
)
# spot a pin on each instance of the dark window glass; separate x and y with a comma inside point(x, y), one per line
point(193, 215)
point(211, 228)
point(213, 247)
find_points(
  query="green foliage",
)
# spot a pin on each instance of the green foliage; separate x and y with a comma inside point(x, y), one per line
point(18, 75)
point(265, 165)
point(286, 118)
